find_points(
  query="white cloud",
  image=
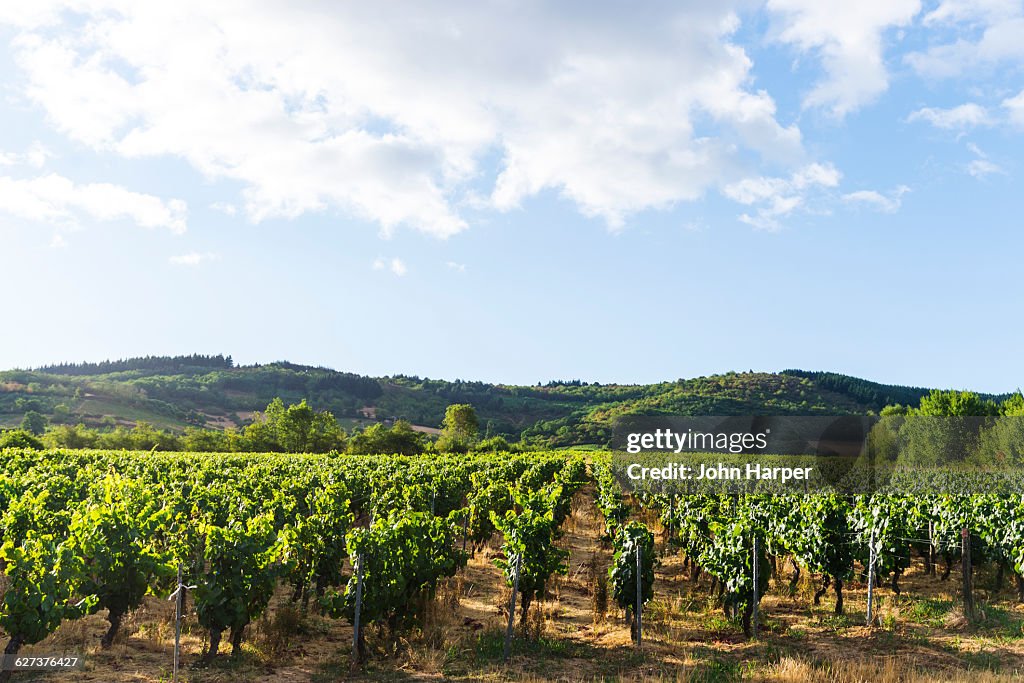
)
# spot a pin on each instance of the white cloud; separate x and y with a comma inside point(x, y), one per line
point(969, 115)
point(396, 266)
point(767, 218)
point(979, 168)
point(824, 175)
point(226, 208)
point(955, 11)
point(985, 34)
point(35, 156)
point(460, 267)
point(982, 166)
point(886, 203)
point(392, 116)
point(1014, 107)
point(963, 116)
point(56, 200)
point(779, 197)
point(849, 38)
point(192, 259)
point(58, 241)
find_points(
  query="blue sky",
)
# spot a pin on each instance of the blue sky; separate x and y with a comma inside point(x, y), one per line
point(521, 192)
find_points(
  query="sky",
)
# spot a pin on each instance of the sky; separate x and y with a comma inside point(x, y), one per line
point(518, 192)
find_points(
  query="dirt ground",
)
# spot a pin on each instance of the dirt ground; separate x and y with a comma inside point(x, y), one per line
point(920, 635)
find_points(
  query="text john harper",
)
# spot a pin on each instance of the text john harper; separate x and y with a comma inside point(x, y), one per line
point(717, 471)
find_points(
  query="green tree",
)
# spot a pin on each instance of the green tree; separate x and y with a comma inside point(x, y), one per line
point(261, 434)
point(400, 438)
point(897, 410)
point(495, 444)
point(1013, 406)
point(258, 437)
point(956, 404)
point(71, 436)
point(61, 413)
point(275, 412)
point(197, 440)
point(145, 437)
point(28, 404)
point(460, 428)
point(116, 438)
point(19, 438)
point(325, 434)
point(945, 427)
point(1002, 444)
point(300, 429)
point(883, 441)
point(294, 426)
point(34, 422)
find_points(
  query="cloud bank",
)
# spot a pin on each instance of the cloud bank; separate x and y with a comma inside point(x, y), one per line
point(397, 117)
point(59, 201)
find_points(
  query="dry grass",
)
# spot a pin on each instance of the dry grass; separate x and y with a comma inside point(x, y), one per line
point(786, 670)
point(890, 670)
point(273, 634)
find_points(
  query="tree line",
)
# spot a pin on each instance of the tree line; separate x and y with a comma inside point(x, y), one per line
point(148, 363)
point(295, 428)
point(952, 426)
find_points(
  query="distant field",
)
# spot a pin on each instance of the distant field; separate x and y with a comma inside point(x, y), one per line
point(94, 410)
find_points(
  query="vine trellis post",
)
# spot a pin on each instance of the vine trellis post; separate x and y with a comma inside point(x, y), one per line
point(965, 536)
point(179, 607)
point(754, 618)
point(512, 606)
point(639, 598)
point(359, 606)
point(871, 576)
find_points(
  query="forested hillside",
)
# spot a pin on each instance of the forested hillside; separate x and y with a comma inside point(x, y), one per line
point(212, 391)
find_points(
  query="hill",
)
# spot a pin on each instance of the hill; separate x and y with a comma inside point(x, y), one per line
point(211, 391)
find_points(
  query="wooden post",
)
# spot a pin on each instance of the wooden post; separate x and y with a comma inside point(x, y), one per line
point(639, 597)
point(512, 607)
point(965, 536)
point(871, 575)
point(359, 606)
point(931, 546)
point(465, 529)
point(757, 597)
point(671, 514)
point(433, 500)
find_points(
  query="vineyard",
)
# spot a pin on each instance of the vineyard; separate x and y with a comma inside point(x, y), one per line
point(499, 566)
